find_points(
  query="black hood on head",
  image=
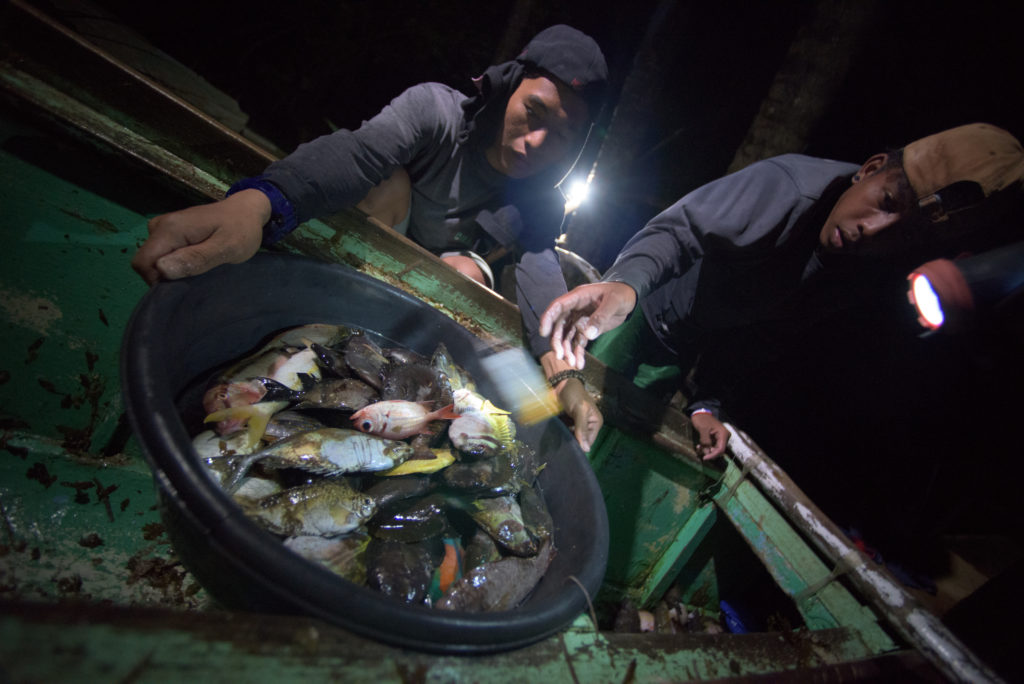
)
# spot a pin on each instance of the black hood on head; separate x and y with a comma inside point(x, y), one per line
point(485, 110)
point(560, 51)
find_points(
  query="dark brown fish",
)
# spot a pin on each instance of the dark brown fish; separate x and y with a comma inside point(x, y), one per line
point(493, 476)
point(411, 521)
point(366, 360)
point(338, 394)
point(391, 490)
point(402, 571)
point(481, 549)
point(501, 585)
point(502, 518)
point(416, 382)
point(404, 356)
point(536, 516)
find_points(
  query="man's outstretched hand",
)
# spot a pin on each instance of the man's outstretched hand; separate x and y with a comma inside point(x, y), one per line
point(583, 313)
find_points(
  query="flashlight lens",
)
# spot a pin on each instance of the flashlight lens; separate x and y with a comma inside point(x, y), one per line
point(927, 302)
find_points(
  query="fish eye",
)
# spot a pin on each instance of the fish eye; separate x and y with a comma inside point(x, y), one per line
point(366, 425)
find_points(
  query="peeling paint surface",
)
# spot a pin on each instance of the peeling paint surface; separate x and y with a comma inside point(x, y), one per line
point(38, 314)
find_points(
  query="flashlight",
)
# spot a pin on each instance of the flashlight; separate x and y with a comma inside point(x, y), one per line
point(947, 294)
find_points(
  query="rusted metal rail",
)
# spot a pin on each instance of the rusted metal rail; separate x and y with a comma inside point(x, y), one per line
point(901, 610)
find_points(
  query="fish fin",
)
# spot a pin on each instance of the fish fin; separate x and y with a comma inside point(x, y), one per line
point(237, 469)
point(256, 427)
point(307, 380)
point(278, 391)
point(256, 421)
point(245, 412)
point(494, 410)
point(445, 413)
point(451, 566)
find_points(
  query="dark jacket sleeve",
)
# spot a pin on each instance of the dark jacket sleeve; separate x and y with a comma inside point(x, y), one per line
point(539, 279)
point(747, 210)
point(335, 171)
point(742, 210)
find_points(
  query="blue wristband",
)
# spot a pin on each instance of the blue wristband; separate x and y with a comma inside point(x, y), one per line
point(282, 214)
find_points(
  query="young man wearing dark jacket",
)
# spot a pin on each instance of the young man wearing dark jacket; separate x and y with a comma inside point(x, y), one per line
point(765, 244)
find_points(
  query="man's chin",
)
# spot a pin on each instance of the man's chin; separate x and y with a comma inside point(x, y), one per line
point(519, 170)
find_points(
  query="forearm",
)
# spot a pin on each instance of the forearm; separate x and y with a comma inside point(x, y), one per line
point(555, 367)
point(539, 281)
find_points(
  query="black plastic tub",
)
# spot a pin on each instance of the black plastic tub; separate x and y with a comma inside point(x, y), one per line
point(181, 330)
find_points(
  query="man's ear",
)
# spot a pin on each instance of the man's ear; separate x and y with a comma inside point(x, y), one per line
point(872, 166)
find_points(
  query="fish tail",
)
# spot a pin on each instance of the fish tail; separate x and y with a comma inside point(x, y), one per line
point(237, 469)
point(446, 413)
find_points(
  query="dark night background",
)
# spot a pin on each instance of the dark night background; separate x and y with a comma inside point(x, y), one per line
point(907, 437)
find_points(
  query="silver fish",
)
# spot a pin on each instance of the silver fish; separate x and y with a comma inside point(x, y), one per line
point(216, 452)
point(327, 451)
point(284, 424)
point(325, 507)
point(219, 455)
point(345, 556)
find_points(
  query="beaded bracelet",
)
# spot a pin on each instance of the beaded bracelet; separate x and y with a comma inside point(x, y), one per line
point(562, 375)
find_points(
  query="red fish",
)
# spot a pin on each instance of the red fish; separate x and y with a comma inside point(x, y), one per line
point(398, 419)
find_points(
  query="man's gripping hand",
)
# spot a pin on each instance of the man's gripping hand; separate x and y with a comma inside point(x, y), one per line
point(194, 240)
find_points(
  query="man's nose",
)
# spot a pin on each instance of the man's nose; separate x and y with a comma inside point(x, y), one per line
point(535, 138)
point(875, 223)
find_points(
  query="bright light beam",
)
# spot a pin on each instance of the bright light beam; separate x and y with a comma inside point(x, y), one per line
point(926, 302)
point(578, 192)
